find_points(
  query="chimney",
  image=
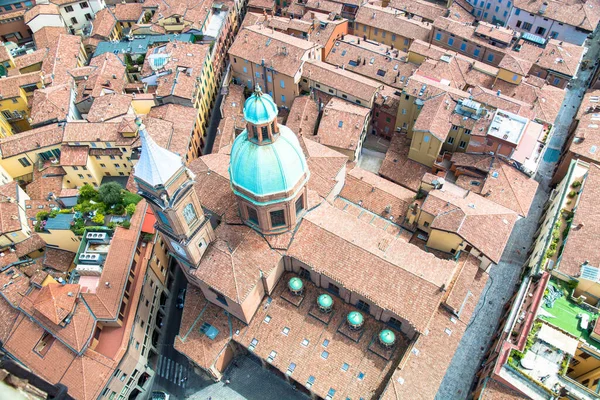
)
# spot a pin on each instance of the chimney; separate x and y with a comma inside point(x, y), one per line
point(543, 7)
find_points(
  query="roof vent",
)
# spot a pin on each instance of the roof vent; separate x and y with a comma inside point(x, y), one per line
point(296, 286)
point(355, 320)
point(325, 303)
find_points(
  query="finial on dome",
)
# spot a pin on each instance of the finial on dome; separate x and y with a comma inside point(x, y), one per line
point(257, 90)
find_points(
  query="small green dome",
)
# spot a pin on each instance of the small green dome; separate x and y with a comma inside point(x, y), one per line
point(295, 284)
point(355, 318)
point(325, 301)
point(263, 170)
point(260, 108)
point(387, 337)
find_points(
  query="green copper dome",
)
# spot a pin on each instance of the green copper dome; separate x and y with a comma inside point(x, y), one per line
point(325, 301)
point(355, 318)
point(260, 108)
point(295, 284)
point(267, 169)
point(387, 337)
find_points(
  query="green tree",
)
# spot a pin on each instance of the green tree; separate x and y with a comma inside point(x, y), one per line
point(130, 209)
point(87, 192)
point(110, 193)
point(98, 218)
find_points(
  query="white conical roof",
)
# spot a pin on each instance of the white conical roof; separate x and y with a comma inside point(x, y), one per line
point(156, 164)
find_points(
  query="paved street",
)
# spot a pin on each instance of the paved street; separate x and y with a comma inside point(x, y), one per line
point(505, 276)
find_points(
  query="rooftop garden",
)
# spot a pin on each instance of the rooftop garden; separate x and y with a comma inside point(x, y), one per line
point(565, 312)
point(109, 206)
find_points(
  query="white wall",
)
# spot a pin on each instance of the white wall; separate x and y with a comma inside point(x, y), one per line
point(552, 29)
point(45, 20)
point(79, 13)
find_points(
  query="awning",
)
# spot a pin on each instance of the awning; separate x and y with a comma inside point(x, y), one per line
point(558, 339)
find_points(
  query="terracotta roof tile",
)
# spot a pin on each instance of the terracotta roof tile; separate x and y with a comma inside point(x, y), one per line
point(434, 117)
point(109, 107)
point(86, 377)
point(377, 194)
point(483, 224)
point(251, 44)
point(390, 20)
point(56, 301)
point(41, 9)
point(25, 338)
point(579, 247)
point(232, 117)
point(104, 23)
point(60, 260)
point(105, 302)
point(10, 86)
point(182, 119)
point(342, 124)
point(340, 79)
point(302, 118)
point(51, 104)
point(580, 14)
point(345, 241)
point(31, 59)
point(494, 390)
point(45, 136)
point(128, 12)
point(398, 168)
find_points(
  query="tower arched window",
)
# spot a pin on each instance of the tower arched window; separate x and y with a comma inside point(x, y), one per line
point(189, 213)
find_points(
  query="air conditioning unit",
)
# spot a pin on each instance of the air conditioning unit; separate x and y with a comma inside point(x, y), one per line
point(89, 257)
point(97, 236)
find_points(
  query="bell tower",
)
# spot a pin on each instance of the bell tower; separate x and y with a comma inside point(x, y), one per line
point(168, 185)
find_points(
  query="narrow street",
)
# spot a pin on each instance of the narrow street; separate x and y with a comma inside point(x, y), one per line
point(504, 277)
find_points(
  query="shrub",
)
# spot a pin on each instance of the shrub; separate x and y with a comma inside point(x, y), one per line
point(118, 209)
point(126, 224)
point(98, 218)
point(110, 193)
point(53, 213)
point(66, 211)
point(572, 194)
point(87, 192)
point(130, 198)
point(112, 225)
point(576, 184)
point(130, 209)
point(42, 215)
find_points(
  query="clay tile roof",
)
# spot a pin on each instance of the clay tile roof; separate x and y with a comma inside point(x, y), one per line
point(233, 117)
point(31, 59)
point(498, 33)
point(86, 377)
point(580, 14)
point(324, 6)
point(386, 19)
point(182, 121)
point(41, 9)
point(91, 132)
point(73, 155)
point(127, 125)
point(128, 12)
point(8, 316)
point(377, 194)
point(556, 56)
point(365, 259)
point(232, 263)
point(340, 79)
point(10, 86)
point(251, 44)
point(482, 223)
point(580, 246)
point(51, 104)
point(494, 390)
point(9, 210)
point(398, 168)
point(303, 116)
point(342, 124)
point(104, 23)
point(105, 302)
point(424, 9)
point(47, 36)
point(109, 106)
point(56, 301)
point(435, 117)
point(49, 135)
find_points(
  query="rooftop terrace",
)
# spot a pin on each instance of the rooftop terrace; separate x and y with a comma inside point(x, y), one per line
point(317, 349)
point(565, 314)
